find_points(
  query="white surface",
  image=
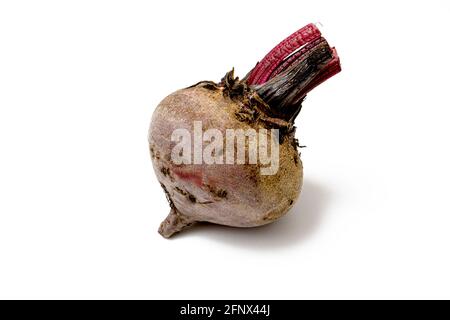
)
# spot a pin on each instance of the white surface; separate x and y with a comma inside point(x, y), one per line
point(80, 205)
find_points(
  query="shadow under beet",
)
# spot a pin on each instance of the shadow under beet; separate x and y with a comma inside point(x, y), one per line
point(297, 226)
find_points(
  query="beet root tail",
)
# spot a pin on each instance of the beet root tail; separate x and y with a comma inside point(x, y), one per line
point(174, 223)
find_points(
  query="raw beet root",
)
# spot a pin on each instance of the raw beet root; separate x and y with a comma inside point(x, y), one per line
point(269, 97)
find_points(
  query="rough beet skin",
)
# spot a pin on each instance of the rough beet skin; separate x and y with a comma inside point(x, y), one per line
point(269, 97)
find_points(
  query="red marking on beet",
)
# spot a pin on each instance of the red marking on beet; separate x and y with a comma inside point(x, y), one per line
point(194, 177)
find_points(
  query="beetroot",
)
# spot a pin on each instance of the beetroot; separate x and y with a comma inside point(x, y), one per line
point(226, 152)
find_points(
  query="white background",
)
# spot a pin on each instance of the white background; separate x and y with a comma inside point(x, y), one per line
point(80, 204)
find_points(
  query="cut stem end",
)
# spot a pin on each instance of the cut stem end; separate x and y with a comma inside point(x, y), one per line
point(293, 68)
